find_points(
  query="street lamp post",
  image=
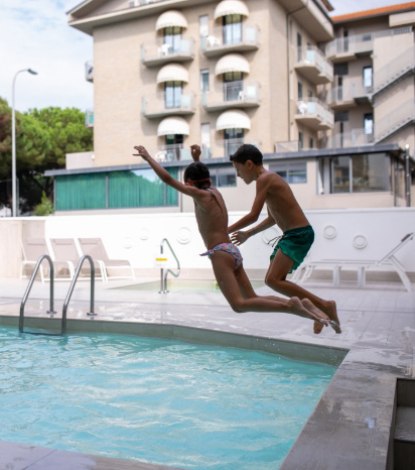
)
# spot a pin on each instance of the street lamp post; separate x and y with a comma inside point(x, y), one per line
point(14, 194)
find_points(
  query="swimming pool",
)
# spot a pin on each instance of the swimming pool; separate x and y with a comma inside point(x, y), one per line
point(156, 400)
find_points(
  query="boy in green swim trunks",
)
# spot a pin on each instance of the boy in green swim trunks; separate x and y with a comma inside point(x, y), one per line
point(283, 210)
point(212, 219)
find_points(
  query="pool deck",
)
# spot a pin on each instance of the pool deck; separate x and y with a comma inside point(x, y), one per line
point(350, 427)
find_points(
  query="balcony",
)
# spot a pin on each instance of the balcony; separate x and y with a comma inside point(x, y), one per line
point(349, 95)
point(239, 95)
point(173, 153)
point(349, 48)
point(214, 45)
point(313, 114)
point(153, 55)
point(157, 106)
point(312, 65)
point(352, 138)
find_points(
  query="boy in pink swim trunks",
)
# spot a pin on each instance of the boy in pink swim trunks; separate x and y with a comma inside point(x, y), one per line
point(283, 210)
point(212, 219)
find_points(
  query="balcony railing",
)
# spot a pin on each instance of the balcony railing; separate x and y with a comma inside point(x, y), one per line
point(155, 106)
point(352, 138)
point(351, 92)
point(351, 45)
point(313, 65)
point(156, 54)
point(314, 113)
point(172, 153)
point(215, 44)
point(240, 94)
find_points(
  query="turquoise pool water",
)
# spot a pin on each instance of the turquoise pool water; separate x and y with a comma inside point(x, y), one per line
point(160, 401)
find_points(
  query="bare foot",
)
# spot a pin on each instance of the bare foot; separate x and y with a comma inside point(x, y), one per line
point(332, 313)
point(298, 307)
point(321, 319)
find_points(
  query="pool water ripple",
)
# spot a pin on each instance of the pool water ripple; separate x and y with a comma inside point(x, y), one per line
point(155, 400)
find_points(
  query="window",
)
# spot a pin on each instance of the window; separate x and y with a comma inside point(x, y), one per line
point(232, 29)
point(203, 26)
point(205, 140)
point(173, 94)
point(299, 90)
point(368, 77)
point(361, 173)
point(299, 47)
point(204, 80)
point(112, 190)
point(292, 172)
point(300, 141)
point(173, 38)
point(232, 85)
point(341, 69)
point(234, 138)
point(223, 177)
point(368, 123)
point(174, 145)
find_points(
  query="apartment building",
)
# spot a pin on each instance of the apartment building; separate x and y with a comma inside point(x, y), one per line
point(329, 101)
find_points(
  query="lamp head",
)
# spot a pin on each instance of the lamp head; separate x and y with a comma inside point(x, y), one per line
point(33, 72)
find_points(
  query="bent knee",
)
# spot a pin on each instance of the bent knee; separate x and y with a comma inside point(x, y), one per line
point(273, 281)
point(237, 307)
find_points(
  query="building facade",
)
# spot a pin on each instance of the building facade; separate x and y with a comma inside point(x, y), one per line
point(330, 101)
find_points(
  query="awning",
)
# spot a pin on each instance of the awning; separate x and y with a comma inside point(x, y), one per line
point(232, 63)
point(171, 18)
point(173, 73)
point(172, 126)
point(231, 7)
point(233, 120)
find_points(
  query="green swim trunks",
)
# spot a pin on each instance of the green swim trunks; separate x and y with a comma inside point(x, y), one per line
point(295, 244)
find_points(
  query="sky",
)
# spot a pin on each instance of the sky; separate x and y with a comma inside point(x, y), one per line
point(35, 34)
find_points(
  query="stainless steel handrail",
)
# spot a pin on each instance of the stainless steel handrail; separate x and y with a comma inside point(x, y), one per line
point(72, 286)
point(51, 310)
point(165, 272)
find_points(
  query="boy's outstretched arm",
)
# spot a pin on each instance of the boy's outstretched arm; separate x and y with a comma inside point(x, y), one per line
point(161, 172)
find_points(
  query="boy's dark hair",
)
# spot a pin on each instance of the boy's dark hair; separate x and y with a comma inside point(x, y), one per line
point(198, 174)
point(247, 152)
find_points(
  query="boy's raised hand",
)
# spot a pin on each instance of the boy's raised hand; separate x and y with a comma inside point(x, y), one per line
point(141, 152)
point(195, 151)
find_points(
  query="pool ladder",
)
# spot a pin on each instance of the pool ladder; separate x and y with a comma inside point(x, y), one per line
point(51, 310)
point(164, 272)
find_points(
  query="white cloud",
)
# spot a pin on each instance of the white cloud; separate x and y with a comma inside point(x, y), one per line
point(35, 34)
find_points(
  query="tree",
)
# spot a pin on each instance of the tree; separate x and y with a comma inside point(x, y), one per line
point(43, 138)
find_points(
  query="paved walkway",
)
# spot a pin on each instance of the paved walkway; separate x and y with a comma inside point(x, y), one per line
point(350, 428)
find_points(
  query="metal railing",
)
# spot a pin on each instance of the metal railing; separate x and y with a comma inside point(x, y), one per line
point(91, 313)
point(165, 272)
point(51, 310)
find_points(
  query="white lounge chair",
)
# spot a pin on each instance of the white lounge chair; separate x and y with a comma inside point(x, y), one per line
point(33, 249)
point(96, 249)
point(388, 261)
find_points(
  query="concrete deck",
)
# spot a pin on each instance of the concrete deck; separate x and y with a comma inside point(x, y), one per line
point(350, 427)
